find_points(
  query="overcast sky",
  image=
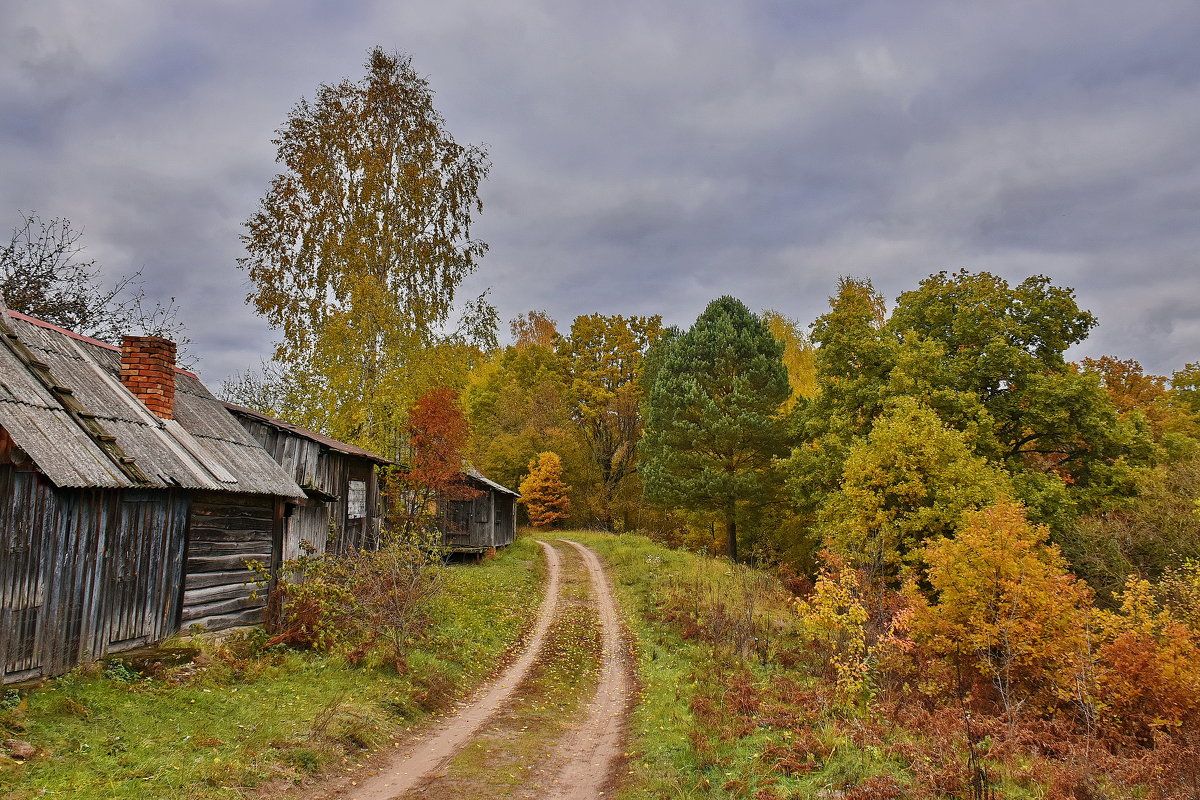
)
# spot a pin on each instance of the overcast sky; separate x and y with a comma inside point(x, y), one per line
point(648, 157)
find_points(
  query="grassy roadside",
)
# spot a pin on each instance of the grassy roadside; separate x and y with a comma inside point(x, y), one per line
point(707, 726)
point(664, 763)
point(730, 706)
point(240, 717)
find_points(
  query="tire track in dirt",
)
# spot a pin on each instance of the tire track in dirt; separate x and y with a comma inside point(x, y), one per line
point(591, 752)
point(411, 766)
point(514, 755)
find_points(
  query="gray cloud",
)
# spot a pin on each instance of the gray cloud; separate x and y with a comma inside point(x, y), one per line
point(646, 159)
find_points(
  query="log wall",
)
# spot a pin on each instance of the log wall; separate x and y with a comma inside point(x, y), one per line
point(226, 532)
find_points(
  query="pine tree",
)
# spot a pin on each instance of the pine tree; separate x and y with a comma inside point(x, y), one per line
point(544, 492)
point(713, 422)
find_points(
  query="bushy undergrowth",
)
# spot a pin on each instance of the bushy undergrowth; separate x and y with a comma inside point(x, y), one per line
point(361, 604)
point(989, 683)
point(238, 713)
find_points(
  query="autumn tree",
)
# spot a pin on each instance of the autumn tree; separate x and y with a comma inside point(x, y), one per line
point(1185, 385)
point(518, 405)
point(359, 246)
point(604, 358)
point(44, 273)
point(534, 329)
point(799, 356)
point(1149, 671)
point(907, 483)
point(1006, 611)
point(431, 464)
point(1127, 383)
point(713, 423)
point(544, 492)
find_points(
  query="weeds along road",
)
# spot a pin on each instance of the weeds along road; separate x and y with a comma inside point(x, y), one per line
point(551, 726)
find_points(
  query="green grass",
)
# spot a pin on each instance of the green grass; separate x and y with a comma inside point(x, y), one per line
point(663, 762)
point(240, 722)
point(673, 753)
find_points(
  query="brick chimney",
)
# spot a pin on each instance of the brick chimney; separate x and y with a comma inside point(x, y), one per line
point(148, 370)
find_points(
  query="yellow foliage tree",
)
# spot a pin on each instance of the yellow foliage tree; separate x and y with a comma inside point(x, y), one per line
point(1007, 614)
point(799, 355)
point(834, 624)
point(544, 492)
point(908, 482)
point(358, 248)
point(604, 356)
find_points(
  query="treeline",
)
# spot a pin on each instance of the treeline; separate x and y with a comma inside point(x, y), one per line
point(867, 440)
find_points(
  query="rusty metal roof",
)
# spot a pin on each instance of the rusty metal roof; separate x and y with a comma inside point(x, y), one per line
point(74, 417)
point(336, 445)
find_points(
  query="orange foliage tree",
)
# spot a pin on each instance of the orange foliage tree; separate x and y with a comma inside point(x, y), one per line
point(534, 328)
point(544, 492)
point(437, 434)
point(1008, 615)
point(1149, 671)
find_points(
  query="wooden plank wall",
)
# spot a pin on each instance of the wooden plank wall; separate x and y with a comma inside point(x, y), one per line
point(313, 465)
point(83, 573)
point(143, 566)
point(226, 531)
point(486, 521)
point(506, 520)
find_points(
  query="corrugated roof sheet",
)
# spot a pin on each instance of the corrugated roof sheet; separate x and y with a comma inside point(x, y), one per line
point(208, 450)
point(333, 444)
point(59, 448)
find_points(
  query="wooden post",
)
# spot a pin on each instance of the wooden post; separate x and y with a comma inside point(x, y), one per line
point(492, 518)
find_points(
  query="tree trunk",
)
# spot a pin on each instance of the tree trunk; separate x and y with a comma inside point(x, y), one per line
point(731, 531)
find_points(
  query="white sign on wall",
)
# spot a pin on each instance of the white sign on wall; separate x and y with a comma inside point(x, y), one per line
point(356, 500)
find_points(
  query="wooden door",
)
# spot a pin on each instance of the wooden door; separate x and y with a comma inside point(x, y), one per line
point(25, 535)
point(143, 565)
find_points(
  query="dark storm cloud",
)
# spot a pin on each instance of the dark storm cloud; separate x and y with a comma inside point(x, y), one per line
point(646, 159)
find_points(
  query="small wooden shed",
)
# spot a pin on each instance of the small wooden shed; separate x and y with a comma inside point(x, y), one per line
point(487, 521)
point(342, 482)
point(130, 500)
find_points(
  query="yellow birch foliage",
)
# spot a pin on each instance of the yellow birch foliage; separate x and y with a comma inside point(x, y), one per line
point(834, 622)
point(799, 355)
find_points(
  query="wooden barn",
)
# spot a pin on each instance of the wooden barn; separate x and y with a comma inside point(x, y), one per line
point(342, 482)
point(130, 500)
point(487, 521)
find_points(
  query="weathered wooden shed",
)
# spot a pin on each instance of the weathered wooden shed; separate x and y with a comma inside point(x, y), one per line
point(342, 482)
point(486, 521)
point(130, 500)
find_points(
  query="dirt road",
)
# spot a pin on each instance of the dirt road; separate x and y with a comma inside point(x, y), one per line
point(411, 766)
point(590, 753)
point(551, 727)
